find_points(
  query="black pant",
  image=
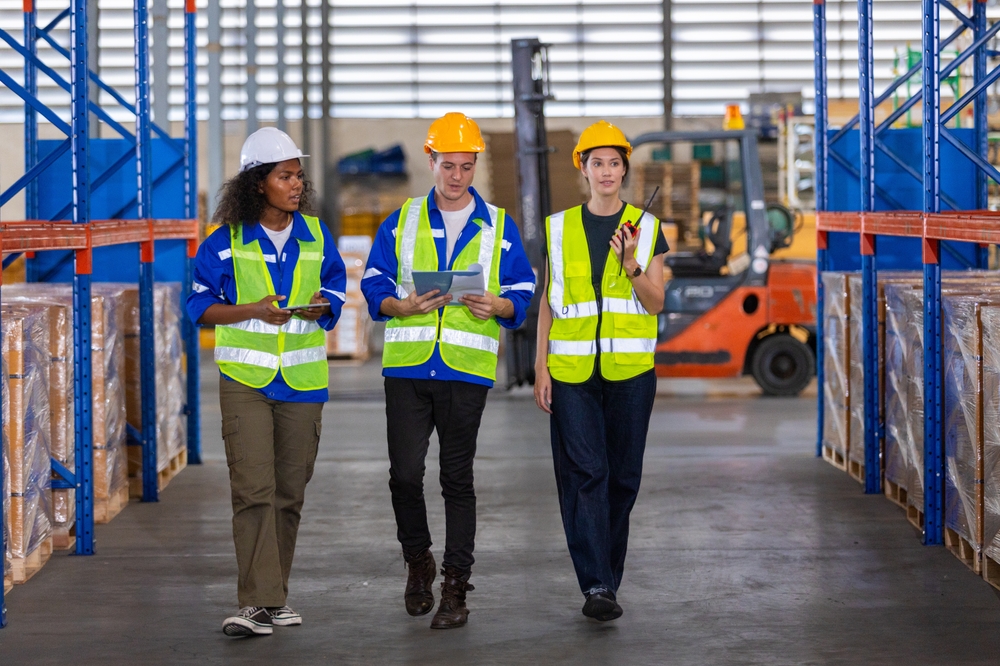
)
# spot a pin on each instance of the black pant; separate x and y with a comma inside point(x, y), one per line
point(414, 408)
point(598, 440)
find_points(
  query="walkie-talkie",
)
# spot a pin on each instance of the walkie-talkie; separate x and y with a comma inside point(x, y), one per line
point(633, 227)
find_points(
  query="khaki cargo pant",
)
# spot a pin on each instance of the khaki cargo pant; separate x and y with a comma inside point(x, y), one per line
point(271, 450)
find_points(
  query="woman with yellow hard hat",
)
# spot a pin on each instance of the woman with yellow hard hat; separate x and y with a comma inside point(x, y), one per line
point(594, 362)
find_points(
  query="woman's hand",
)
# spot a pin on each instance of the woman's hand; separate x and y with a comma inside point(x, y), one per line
point(265, 310)
point(543, 389)
point(631, 243)
point(312, 314)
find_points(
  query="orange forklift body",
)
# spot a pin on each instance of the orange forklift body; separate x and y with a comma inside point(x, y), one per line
point(718, 343)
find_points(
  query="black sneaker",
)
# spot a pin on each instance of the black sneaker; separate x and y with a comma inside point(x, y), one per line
point(284, 617)
point(602, 606)
point(250, 621)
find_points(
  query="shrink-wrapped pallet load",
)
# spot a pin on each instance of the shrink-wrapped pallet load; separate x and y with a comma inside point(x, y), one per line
point(351, 335)
point(171, 386)
point(110, 464)
point(26, 350)
point(836, 372)
point(61, 408)
point(856, 369)
point(989, 317)
point(8, 577)
point(962, 361)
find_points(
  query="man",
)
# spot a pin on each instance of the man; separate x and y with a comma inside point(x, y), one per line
point(440, 357)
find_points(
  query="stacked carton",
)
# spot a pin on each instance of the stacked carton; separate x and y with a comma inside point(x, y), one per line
point(836, 371)
point(26, 426)
point(171, 389)
point(350, 337)
point(110, 466)
point(62, 434)
point(990, 432)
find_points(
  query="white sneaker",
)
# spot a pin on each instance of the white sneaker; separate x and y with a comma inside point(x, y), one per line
point(284, 617)
point(250, 621)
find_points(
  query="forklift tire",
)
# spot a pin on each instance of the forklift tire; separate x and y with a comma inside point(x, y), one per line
point(782, 366)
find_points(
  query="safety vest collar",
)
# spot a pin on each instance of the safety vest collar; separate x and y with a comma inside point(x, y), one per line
point(480, 212)
point(300, 230)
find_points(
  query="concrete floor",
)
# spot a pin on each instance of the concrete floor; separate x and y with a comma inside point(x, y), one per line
point(745, 549)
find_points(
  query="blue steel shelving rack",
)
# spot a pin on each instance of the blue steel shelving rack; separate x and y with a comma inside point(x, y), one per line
point(929, 224)
point(81, 234)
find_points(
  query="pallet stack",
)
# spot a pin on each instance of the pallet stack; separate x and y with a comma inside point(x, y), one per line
point(26, 428)
point(110, 463)
point(680, 187)
point(349, 340)
point(836, 369)
point(170, 362)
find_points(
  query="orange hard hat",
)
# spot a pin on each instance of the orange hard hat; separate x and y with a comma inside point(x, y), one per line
point(599, 135)
point(454, 133)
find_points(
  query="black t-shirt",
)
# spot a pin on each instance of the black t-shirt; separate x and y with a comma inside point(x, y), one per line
point(599, 230)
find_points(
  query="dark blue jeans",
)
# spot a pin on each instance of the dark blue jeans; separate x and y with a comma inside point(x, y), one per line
point(598, 440)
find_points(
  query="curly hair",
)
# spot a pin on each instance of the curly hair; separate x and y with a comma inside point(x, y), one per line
point(241, 201)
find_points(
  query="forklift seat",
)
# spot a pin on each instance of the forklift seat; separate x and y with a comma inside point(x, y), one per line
point(702, 263)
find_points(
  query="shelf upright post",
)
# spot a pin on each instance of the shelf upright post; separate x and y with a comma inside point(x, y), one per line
point(934, 460)
point(190, 330)
point(30, 121)
point(820, 152)
point(869, 275)
point(144, 171)
point(981, 123)
point(79, 147)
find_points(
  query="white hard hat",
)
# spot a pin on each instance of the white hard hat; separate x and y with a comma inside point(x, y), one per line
point(266, 146)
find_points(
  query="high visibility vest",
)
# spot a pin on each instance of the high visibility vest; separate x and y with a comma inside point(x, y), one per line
point(253, 352)
point(467, 344)
point(627, 331)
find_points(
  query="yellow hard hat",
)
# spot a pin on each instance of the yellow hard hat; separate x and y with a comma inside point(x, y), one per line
point(598, 135)
point(454, 133)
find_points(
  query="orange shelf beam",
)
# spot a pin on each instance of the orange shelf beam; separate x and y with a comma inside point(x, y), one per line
point(968, 226)
point(37, 235)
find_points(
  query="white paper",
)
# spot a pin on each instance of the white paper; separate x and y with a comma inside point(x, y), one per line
point(456, 283)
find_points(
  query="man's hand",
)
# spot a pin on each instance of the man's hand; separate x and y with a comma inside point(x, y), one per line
point(488, 305)
point(312, 314)
point(414, 304)
point(265, 310)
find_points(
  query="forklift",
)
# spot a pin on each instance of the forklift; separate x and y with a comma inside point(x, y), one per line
point(726, 313)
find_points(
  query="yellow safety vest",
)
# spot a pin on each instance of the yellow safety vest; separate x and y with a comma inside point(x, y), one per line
point(253, 352)
point(467, 344)
point(627, 331)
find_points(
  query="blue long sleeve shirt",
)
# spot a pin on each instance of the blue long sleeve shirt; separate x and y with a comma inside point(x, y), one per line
point(517, 279)
point(215, 282)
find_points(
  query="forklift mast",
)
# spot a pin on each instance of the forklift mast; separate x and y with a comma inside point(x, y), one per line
point(529, 59)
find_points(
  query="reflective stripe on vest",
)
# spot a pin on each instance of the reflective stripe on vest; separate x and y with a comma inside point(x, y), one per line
point(252, 352)
point(627, 335)
point(466, 343)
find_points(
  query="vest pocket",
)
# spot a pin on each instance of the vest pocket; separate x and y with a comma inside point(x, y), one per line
point(231, 437)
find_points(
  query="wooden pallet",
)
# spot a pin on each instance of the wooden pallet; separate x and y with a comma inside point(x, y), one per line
point(856, 470)
point(896, 493)
point(23, 568)
point(991, 571)
point(106, 509)
point(64, 538)
point(963, 549)
point(163, 477)
point(8, 584)
point(835, 458)
point(915, 516)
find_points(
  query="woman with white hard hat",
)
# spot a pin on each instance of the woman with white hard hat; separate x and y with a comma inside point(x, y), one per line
point(594, 362)
point(271, 281)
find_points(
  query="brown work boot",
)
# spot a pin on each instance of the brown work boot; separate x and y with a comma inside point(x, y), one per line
point(452, 611)
point(419, 595)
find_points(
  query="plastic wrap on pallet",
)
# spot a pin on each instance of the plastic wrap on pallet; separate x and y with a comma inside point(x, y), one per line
point(990, 318)
point(856, 371)
point(836, 355)
point(110, 465)
point(26, 348)
point(5, 468)
point(961, 357)
point(904, 420)
point(170, 363)
point(61, 391)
